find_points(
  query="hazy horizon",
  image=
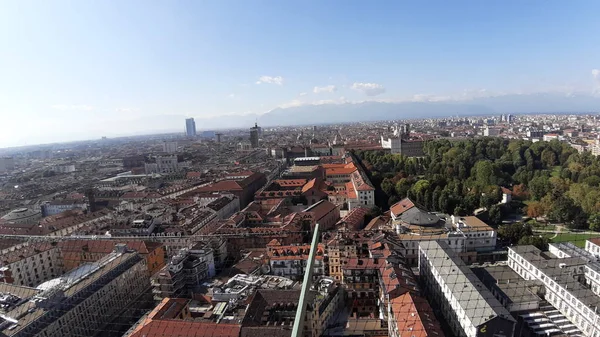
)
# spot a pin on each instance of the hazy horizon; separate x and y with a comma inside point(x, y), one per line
point(83, 70)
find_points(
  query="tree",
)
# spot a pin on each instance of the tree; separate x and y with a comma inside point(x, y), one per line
point(520, 192)
point(388, 187)
point(402, 187)
point(513, 232)
point(539, 187)
point(420, 187)
point(495, 215)
point(536, 209)
point(592, 181)
point(484, 173)
point(539, 241)
point(393, 199)
point(594, 222)
point(564, 210)
point(548, 158)
point(458, 210)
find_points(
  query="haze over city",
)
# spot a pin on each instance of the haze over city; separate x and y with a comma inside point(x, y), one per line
point(76, 70)
point(284, 168)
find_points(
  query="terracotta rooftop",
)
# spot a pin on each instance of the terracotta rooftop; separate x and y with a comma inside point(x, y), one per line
point(321, 208)
point(162, 322)
point(414, 316)
point(185, 328)
point(350, 191)
point(106, 246)
point(291, 182)
point(401, 206)
point(223, 185)
point(192, 175)
point(354, 219)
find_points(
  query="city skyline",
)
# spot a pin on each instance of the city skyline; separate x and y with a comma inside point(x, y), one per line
point(240, 59)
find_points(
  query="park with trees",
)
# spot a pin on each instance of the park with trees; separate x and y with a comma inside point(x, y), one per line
point(549, 181)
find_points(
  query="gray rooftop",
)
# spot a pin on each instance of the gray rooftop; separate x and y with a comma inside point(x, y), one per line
point(477, 301)
point(71, 285)
point(415, 216)
point(561, 271)
point(512, 286)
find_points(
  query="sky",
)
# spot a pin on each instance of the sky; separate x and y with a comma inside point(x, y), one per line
point(73, 70)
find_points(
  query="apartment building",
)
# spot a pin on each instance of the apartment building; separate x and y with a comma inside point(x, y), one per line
point(77, 252)
point(459, 296)
point(562, 272)
point(361, 278)
point(184, 272)
point(175, 315)
point(83, 301)
point(58, 206)
point(291, 260)
point(343, 246)
point(406, 311)
point(272, 312)
point(31, 264)
point(324, 213)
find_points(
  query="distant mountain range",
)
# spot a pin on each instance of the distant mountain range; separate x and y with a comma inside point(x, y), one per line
point(376, 111)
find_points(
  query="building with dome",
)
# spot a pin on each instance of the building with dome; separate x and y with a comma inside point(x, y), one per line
point(468, 236)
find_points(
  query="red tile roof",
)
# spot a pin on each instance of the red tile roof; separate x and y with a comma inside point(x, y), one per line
point(223, 185)
point(321, 209)
point(401, 206)
point(414, 316)
point(595, 241)
point(182, 328)
point(354, 219)
point(294, 252)
point(309, 185)
point(159, 323)
point(291, 182)
point(355, 263)
point(351, 191)
point(191, 175)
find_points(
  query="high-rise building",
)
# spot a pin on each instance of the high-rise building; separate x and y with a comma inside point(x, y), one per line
point(190, 127)
point(254, 132)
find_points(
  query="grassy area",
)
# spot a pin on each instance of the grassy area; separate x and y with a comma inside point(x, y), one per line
point(542, 227)
point(576, 238)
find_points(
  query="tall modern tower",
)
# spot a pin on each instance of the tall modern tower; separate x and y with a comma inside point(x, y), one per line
point(254, 131)
point(190, 127)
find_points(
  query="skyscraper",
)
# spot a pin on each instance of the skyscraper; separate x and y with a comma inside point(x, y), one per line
point(254, 136)
point(190, 127)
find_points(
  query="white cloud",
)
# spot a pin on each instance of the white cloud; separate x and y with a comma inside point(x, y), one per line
point(596, 74)
point(302, 94)
point(127, 109)
point(231, 96)
point(270, 79)
point(430, 98)
point(328, 88)
point(292, 103)
point(297, 102)
point(65, 107)
point(369, 89)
